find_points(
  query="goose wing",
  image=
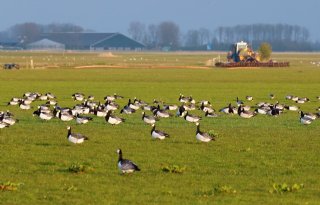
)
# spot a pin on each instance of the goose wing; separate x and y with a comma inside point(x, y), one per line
point(128, 165)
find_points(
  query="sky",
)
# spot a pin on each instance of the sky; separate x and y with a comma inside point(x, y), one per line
point(116, 15)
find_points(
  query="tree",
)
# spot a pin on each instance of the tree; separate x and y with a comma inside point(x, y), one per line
point(192, 39)
point(265, 51)
point(137, 31)
point(168, 33)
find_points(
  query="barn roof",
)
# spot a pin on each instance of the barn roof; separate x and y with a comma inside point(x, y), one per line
point(76, 40)
point(88, 40)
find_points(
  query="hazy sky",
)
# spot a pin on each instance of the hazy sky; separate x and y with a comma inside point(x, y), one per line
point(115, 15)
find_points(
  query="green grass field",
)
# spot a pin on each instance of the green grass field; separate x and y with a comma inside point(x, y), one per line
point(240, 167)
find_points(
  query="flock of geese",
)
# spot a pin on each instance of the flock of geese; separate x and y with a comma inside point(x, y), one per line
point(87, 106)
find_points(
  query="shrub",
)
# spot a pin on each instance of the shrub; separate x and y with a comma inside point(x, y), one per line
point(265, 51)
point(284, 188)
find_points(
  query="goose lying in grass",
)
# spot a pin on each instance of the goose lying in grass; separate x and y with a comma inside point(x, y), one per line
point(157, 134)
point(113, 120)
point(191, 118)
point(148, 118)
point(75, 138)
point(82, 119)
point(304, 119)
point(245, 113)
point(202, 136)
point(43, 115)
point(125, 165)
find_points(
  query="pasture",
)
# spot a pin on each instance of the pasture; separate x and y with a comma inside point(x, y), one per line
point(248, 157)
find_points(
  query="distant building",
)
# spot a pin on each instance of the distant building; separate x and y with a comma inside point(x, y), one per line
point(45, 44)
point(84, 41)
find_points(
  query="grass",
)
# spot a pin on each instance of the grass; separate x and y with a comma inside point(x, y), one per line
point(248, 157)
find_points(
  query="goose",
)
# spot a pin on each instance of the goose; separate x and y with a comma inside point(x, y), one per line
point(273, 111)
point(304, 119)
point(205, 102)
point(310, 115)
point(318, 97)
point(160, 113)
point(43, 115)
point(125, 165)
point(7, 119)
point(202, 136)
point(75, 138)
point(78, 96)
point(272, 96)
point(245, 114)
point(132, 106)
point(291, 107)
point(239, 102)
point(90, 97)
point(14, 101)
point(249, 98)
point(82, 119)
point(50, 95)
point(51, 102)
point(113, 120)
point(43, 97)
point(148, 119)
point(127, 110)
point(181, 111)
point(289, 97)
point(263, 110)
point(111, 106)
point(183, 99)
point(191, 118)
point(170, 107)
point(210, 114)
point(24, 106)
point(139, 102)
point(3, 124)
point(149, 107)
point(294, 98)
point(65, 116)
point(229, 109)
point(157, 134)
point(189, 107)
point(205, 109)
point(302, 100)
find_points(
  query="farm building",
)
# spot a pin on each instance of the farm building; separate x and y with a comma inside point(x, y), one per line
point(45, 44)
point(86, 41)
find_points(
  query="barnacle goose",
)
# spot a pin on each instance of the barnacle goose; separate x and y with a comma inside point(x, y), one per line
point(75, 138)
point(82, 119)
point(148, 118)
point(157, 134)
point(125, 165)
point(113, 120)
point(191, 118)
point(202, 136)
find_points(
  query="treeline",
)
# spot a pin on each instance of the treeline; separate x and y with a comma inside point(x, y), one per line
point(282, 37)
point(28, 32)
point(168, 36)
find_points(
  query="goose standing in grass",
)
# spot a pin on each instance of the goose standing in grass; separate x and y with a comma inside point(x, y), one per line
point(191, 118)
point(82, 119)
point(305, 120)
point(148, 118)
point(125, 165)
point(75, 138)
point(239, 102)
point(113, 120)
point(157, 134)
point(202, 136)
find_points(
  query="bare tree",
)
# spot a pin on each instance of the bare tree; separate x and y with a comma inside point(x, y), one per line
point(137, 31)
point(192, 39)
point(169, 34)
point(204, 36)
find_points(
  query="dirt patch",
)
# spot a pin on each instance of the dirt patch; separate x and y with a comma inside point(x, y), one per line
point(107, 55)
point(143, 67)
